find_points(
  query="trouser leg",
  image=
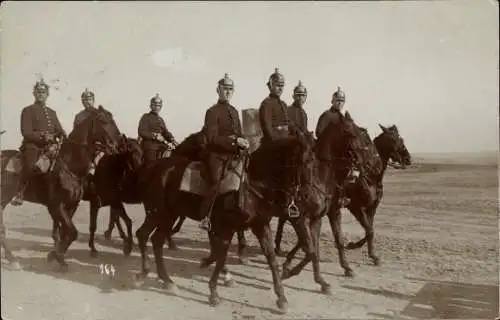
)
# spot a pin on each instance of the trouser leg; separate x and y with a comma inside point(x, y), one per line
point(214, 166)
point(29, 159)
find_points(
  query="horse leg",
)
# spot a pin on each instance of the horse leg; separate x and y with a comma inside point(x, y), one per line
point(302, 229)
point(158, 240)
point(55, 230)
point(316, 233)
point(142, 235)
point(94, 210)
point(121, 213)
point(70, 234)
point(279, 235)
point(265, 236)
point(242, 244)
point(8, 253)
point(111, 225)
point(207, 261)
point(335, 219)
point(361, 216)
point(178, 225)
point(119, 227)
point(220, 247)
point(175, 229)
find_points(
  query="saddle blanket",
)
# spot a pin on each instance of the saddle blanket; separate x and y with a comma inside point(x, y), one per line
point(193, 180)
point(15, 164)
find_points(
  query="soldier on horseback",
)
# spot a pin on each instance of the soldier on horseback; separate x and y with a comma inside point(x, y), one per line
point(222, 128)
point(88, 100)
point(153, 132)
point(333, 116)
point(296, 112)
point(41, 129)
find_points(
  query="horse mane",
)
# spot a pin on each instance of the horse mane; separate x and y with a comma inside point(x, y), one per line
point(192, 147)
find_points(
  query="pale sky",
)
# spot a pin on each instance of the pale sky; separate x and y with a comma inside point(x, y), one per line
point(431, 68)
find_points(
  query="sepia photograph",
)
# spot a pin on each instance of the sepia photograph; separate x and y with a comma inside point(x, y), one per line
point(249, 160)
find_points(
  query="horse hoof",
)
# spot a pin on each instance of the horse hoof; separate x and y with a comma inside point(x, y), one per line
point(349, 273)
point(326, 289)
point(214, 300)
point(15, 265)
point(107, 235)
point(63, 268)
point(94, 253)
point(376, 261)
point(127, 250)
point(243, 261)
point(138, 280)
point(52, 256)
point(282, 306)
point(171, 288)
point(230, 283)
point(205, 262)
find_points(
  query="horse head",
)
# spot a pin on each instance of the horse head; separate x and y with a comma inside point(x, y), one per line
point(391, 146)
point(341, 143)
point(133, 153)
point(98, 128)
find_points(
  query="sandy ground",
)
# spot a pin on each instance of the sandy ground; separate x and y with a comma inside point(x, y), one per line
point(436, 233)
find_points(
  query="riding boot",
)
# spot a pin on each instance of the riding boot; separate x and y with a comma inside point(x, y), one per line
point(206, 208)
point(19, 197)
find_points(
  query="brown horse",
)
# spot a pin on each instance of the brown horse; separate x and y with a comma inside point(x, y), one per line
point(192, 148)
point(61, 189)
point(337, 148)
point(115, 183)
point(248, 205)
point(365, 192)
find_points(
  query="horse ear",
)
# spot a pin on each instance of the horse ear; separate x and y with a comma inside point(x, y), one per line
point(348, 116)
point(383, 128)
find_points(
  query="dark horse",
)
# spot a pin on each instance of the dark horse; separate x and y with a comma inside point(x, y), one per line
point(61, 189)
point(193, 149)
point(11, 258)
point(365, 192)
point(337, 148)
point(116, 182)
point(119, 179)
point(249, 206)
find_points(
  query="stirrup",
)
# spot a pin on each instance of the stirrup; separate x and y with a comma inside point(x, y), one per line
point(293, 210)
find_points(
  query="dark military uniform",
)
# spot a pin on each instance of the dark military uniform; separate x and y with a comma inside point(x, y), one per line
point(274, 120)
point(330, 116)
point(298, 117)
point(222, 127)
point(82, 115)
point(149, 124)
point(37, 120)
point(327, 118)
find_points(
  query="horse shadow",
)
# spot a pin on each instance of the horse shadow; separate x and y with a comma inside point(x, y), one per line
point(183, 243)
point(84, 269)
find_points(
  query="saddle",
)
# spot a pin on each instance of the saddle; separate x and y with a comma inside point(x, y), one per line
point(194, 178)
